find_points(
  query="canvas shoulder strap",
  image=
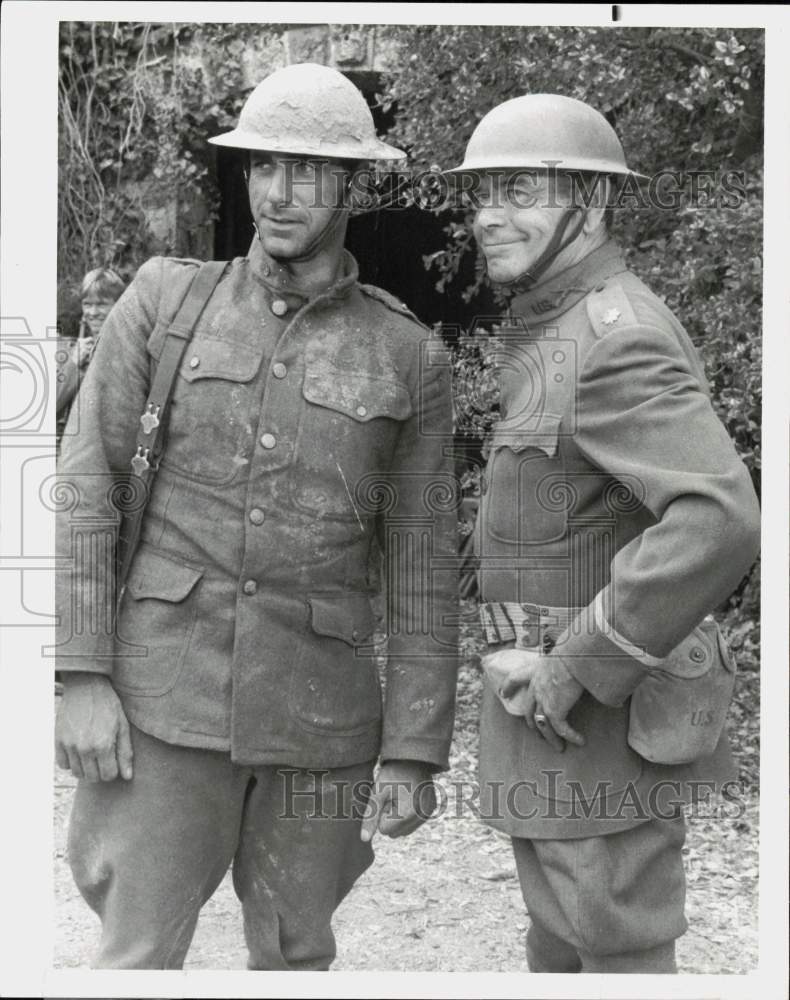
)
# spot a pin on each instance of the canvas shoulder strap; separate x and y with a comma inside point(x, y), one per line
point(153, 420)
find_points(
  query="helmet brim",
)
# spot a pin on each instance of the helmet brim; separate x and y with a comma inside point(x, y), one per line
point(482, 165)
point(239, 138)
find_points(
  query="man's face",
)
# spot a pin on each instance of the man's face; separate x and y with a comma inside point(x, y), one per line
point(95, 310)
point(293, 199)
point(518, 214)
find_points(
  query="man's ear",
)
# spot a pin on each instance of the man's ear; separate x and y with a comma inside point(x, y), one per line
point(595, 212)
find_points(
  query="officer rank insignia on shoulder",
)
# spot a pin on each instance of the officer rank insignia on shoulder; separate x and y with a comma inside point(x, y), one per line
point(609, 309)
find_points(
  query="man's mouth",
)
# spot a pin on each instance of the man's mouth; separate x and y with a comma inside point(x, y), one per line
point(278, 221)
point(501, 244)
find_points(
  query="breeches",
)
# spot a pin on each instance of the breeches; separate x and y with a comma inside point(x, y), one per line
point(148, 853)
point(605, 904)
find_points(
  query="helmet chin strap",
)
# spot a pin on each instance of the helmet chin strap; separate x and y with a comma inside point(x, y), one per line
point(558, 242)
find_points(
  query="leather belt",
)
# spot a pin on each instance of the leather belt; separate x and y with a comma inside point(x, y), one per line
point(525, 624)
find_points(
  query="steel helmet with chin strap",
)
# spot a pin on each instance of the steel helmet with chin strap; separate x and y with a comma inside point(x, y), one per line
point(308, 110)
point(546, 132)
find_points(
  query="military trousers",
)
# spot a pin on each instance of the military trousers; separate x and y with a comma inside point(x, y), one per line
point(612, 903)
point(147, 853)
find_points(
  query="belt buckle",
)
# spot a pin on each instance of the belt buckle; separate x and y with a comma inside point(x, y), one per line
point(534, 628)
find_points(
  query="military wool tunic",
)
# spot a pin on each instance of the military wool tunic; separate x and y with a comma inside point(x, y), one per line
point(305, 439)
point(616, 510)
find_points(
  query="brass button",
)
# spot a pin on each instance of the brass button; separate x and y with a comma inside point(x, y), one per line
point(279, 307)
point(697, 654)
point(250, 587)
point(355, 634)
point(194, 362)
point(279, 370)
point(257, 516)
point(268, 441)
point(362, 411)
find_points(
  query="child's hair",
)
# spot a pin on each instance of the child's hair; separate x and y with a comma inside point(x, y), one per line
point(107, 284)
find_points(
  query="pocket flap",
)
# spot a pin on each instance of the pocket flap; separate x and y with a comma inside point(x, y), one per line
point(517, 435)
point(343, 616)
point(206, 358)
point(356, 394)
point(155, 574)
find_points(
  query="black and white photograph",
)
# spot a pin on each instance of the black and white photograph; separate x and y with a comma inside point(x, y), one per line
point(394, 437)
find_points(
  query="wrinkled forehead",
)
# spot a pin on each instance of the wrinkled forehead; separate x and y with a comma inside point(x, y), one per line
point(508, 180)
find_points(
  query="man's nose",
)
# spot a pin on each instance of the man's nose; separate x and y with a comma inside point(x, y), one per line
point(488, 217)
point(278, 193)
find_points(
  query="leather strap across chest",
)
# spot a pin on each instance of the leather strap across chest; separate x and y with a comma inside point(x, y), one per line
point(153, 420)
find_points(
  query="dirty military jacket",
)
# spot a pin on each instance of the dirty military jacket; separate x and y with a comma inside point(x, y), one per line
point(615, 502)
point(304, 439)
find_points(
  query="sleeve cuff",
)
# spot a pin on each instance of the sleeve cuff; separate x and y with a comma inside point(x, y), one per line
point(434, 753)
point(604, 662)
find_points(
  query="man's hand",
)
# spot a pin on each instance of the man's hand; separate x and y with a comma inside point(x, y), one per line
point(92, 737)
point(404, 797)
point(552, 693)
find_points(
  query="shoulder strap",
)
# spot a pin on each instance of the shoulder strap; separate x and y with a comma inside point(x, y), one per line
point(609, 308)
point(150, 434)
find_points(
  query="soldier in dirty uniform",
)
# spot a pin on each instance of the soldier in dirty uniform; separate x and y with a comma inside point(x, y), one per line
point(235, 715)
point(615, 516)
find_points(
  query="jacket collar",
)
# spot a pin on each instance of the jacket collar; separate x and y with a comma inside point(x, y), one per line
point(277, 279)
point(557, 294)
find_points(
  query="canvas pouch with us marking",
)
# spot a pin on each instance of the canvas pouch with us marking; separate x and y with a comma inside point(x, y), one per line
point(678, 711)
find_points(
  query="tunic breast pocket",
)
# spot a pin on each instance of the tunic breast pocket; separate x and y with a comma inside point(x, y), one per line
point(348, 430)
point(210, 430)
point(525, 501)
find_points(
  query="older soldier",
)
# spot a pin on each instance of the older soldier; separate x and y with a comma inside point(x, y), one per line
point(306, 435)
point(615, 516)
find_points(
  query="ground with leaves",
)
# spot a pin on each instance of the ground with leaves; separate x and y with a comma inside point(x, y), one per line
point(447, 897)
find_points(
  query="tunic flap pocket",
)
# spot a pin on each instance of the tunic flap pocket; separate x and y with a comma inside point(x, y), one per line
point(160, 576)
point(343, 616)
point(519, 434)
point(356, 394)
point(206, 358)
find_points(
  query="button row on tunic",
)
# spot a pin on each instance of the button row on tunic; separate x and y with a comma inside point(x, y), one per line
point(250, 587)
point(257, 516)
